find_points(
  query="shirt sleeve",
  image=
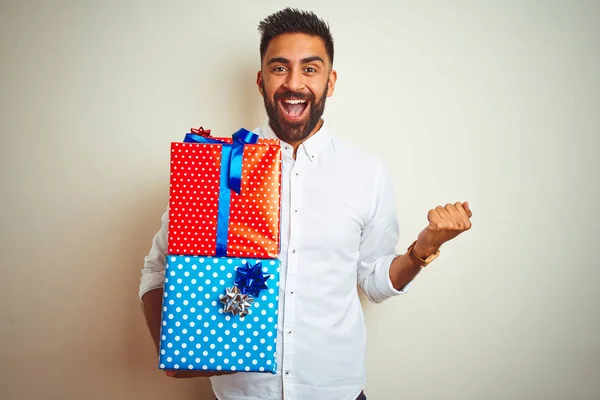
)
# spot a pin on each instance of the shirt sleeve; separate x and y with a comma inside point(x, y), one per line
point(153, 272)
point(378, 242)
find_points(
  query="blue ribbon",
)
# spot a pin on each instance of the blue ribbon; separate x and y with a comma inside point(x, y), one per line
point(232, 155)
point(233, 158)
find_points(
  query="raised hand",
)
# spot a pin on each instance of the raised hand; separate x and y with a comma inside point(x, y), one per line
point(445, 223)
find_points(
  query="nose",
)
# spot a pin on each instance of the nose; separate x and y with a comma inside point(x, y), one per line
point(294, 81)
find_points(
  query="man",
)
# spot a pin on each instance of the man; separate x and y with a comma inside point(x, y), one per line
point(339, 230)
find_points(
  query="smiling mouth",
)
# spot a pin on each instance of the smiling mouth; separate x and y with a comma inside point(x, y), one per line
point(293, 109)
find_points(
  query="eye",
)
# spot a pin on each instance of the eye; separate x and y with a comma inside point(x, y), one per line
point(279, 69)
point(310, 70)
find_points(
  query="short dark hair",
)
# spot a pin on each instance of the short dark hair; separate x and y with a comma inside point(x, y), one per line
point(292, 20)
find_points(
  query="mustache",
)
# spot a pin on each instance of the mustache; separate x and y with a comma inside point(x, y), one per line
point(296, 95)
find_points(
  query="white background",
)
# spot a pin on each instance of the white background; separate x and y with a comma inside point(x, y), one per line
point(494, 102)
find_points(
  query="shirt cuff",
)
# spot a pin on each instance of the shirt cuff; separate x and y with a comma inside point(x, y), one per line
point(384, 282)
point(151, 282)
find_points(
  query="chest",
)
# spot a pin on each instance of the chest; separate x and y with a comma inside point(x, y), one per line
point(325, 204)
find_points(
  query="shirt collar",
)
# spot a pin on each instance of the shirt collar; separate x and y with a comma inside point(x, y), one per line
point(313, 146)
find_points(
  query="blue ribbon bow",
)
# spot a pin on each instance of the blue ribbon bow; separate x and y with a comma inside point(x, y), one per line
point(232, 155)
point(250, 279)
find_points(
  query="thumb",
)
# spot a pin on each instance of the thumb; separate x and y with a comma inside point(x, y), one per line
point(170, 373)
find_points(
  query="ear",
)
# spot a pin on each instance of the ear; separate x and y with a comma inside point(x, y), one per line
point(259, 82)
point(331, 82)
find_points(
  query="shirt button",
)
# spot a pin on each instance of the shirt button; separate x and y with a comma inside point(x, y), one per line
point(295, 211)
point(289, 332)
point(294, 251)
point(287, 372)
point(297, 174)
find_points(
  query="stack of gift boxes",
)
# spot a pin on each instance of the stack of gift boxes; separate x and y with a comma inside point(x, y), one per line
point(221, 289)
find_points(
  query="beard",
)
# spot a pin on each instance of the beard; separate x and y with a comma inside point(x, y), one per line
point(294, 132)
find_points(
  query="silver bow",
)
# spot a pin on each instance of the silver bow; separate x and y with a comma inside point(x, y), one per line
point(236, 302)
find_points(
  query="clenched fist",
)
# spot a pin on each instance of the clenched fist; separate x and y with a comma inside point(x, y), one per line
point(445, 223)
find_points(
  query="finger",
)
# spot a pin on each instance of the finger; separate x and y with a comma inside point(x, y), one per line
point(170, 373)
point(441, 219)
point(457, 220)
point(461, 210)
point(432, 216)
point(453, 211)
point(443, 213)
point(467, 209)
point(465, 223)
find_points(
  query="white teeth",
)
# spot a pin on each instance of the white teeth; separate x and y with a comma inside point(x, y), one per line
point(290, 101)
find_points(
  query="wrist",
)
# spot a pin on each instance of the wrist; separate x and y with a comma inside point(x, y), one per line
point(423, 251)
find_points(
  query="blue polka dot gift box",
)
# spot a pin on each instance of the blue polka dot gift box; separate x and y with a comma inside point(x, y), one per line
point(219, 314)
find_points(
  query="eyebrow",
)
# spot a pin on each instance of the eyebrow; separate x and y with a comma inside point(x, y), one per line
point(311, 59)
point(302, 61)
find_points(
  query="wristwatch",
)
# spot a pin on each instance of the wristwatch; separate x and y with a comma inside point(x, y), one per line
point(418, 260)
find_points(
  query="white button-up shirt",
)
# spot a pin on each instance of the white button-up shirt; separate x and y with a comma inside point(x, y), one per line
point(338, 229)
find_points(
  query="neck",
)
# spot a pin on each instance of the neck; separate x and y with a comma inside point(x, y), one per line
point(296, 144)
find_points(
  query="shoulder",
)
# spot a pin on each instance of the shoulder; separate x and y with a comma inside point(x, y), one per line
point(368, 169)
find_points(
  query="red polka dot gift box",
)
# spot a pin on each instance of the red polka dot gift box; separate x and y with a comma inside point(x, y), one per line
point(225, 196)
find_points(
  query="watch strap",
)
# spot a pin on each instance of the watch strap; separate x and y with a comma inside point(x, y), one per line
point(418, 260)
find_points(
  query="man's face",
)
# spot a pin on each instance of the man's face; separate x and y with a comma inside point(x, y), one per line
point(295, 80)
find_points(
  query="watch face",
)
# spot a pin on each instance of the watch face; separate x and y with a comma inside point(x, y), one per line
point(432, 257)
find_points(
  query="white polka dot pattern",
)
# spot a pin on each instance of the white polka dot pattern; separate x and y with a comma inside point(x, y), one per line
point(194, 198)
point(254, 217)
point(195, 332)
